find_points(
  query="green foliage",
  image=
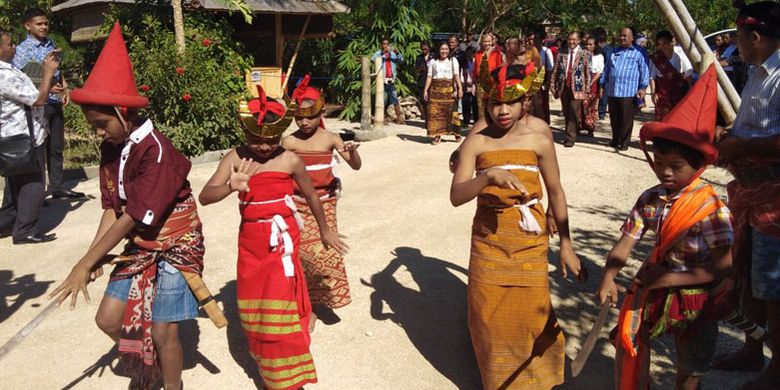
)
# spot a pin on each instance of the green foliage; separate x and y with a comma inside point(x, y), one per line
point(193, 97)
point(396, 20)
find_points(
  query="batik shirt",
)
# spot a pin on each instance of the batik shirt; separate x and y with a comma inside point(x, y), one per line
point(694, 249)
point(16, 92)
point(33, 50)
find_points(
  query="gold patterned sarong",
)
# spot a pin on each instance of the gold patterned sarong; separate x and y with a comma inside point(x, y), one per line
point(516, 337)
point(440, 108)
point(326, 275)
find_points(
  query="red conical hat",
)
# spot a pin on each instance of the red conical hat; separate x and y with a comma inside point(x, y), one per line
point(111, 81)
point(692, 121)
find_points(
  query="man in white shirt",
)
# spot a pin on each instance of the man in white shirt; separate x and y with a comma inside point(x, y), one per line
point(23, 196)
point(670, 74)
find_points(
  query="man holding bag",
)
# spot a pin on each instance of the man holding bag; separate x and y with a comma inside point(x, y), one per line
point(21, 114)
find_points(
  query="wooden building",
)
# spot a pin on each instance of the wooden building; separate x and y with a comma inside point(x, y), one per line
point(275, 21)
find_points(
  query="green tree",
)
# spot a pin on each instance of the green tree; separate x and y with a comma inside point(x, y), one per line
point(369, 23)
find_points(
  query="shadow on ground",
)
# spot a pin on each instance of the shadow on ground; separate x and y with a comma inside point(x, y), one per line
point(16, 291)
point(235, 335)
point(434, 318)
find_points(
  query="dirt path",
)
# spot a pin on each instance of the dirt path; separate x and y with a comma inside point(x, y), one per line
point(406, 327)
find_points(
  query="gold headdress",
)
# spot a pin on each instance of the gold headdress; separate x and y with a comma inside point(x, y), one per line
point(252, 115)
point(305, 92)
point(509, 90)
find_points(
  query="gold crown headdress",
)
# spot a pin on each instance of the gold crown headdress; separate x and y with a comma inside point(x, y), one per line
point(504, 90)
point(304, 92)
point(252, 115)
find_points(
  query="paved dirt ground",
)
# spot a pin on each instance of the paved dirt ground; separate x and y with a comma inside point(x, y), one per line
point(405, 329)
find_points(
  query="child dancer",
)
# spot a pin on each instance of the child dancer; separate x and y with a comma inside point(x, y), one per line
point(273, 301)
point(680, 287)
point(516, 337)
point(324, 269)
point(146, 197)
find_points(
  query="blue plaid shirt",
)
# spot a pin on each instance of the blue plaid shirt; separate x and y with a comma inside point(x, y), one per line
point(625, 72)
point(33, 50)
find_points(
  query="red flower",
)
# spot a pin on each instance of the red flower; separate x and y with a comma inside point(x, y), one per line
point(186, 97)
point(206, 42)
point(180, 70)
point(145, 88)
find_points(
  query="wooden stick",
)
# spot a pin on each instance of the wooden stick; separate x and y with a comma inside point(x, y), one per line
point(379, 102)
point(205, 299)
point(19, 336)
point(295, 55)
point(365, 93)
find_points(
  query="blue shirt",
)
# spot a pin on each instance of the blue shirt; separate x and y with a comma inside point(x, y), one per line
point(394, 59)
point(759, 112)
point(625, 72)
point(33, 50)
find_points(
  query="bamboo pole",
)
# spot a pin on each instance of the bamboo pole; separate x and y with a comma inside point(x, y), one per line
point(379, 103)
point(701, 44)
point(278, 40)
point(365, 93)
point(683, 37)
point(295, 55)
point(178, 25)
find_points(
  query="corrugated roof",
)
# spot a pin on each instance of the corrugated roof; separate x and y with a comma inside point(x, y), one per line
point(258, 6)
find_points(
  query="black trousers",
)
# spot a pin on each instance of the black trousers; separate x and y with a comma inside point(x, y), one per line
point(621, 118)
point(572, 111)
point(470, 111)
point(55, 145)
point(23, 200)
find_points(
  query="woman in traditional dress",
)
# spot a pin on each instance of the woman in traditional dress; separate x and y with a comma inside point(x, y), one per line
point(442, 87)
point(516, 337)
point(590, 106)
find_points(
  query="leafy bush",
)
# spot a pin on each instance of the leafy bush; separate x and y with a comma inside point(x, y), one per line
point(405, 28)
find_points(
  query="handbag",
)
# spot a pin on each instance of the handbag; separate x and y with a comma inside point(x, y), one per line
point(17, 152)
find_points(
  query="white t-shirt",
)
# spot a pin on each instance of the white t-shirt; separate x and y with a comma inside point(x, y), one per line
point(443, 69)
point(679, 61)
point(597, 64)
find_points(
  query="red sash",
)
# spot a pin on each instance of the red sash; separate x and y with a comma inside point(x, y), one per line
point(671, 84)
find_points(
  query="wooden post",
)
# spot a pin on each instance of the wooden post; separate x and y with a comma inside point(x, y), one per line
point(701, 44)
point(295, 56)
point(365, 93)
point(379, 103)
point(694, 54)
point(279, 42)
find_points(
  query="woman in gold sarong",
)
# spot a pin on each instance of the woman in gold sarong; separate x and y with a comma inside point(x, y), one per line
point(516, 337)
point(442, 87)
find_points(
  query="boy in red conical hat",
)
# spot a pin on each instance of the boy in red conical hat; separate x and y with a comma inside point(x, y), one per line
point(273, 301)
point(146, 197)
point(680, 287)
point(325, 273)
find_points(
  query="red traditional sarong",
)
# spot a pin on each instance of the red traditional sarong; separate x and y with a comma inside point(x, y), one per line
point(695, 203)
point(669, 88)
point(180, 243)
point(590, 109)
point(273, 302)
point(326, 276)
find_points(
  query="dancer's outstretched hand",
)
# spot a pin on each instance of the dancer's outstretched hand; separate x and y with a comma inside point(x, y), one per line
point(331, 239)
point(76, 282)
point(239, 176)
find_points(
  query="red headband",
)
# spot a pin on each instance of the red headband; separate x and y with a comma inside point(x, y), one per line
point(261, 106)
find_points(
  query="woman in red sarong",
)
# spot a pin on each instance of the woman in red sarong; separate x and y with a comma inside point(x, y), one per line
point(273, 299)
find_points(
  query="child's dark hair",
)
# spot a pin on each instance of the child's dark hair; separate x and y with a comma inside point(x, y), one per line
point(32, 13)
point(664, 34)
point(665, 146)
